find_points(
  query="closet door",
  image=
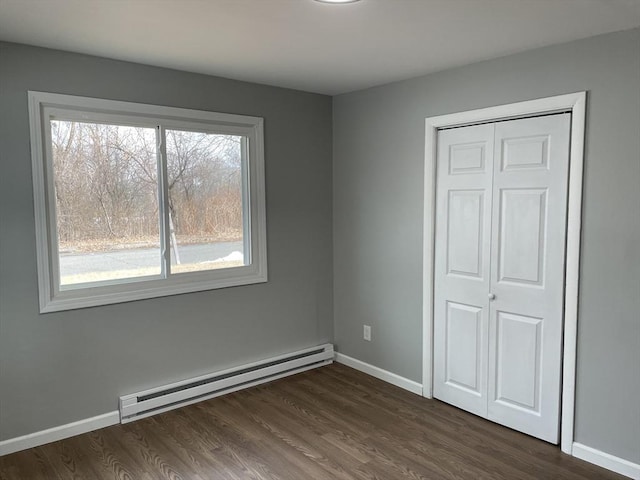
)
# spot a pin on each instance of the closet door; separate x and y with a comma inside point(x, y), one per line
point(527, 273)
point(501, 205)
point(462, 269)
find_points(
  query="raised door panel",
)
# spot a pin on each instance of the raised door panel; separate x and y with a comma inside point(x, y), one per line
point(525, 152)
point(463, 362)
point(465, 219)
point(467, 158)
point(521, 238)
point(518, 356)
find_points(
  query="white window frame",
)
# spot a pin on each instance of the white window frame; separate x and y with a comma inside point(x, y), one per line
point(45, 106)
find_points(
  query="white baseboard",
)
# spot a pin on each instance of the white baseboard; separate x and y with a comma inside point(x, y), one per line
point(583, 452)
point(605, 460)
point(588, 454)
point(397, 380)
point(113, 418)
point(58, 433)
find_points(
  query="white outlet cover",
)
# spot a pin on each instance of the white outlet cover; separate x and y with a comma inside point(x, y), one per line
point(367, 333)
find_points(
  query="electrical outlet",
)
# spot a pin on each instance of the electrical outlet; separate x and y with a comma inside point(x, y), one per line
point(367, 333)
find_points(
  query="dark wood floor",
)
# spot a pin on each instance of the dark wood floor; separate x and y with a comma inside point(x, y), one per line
point(329, 423)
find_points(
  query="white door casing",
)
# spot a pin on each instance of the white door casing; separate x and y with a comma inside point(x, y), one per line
point(499, 270)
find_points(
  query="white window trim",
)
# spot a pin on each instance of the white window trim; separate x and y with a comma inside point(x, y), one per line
point(51, 297)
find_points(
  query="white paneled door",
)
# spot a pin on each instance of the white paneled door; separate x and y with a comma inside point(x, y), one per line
point(462, 266)
point(499, 270)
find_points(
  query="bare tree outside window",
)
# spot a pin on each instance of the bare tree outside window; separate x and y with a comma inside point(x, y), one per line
point(106, 190)
point(205, 198)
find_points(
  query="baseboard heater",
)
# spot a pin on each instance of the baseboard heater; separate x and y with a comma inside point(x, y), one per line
point(165, 398)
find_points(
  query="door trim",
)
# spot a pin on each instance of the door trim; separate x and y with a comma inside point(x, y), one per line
point(576, 104)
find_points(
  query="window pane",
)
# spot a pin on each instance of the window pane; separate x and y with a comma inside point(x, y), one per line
point(106, 190)
point(205, 200)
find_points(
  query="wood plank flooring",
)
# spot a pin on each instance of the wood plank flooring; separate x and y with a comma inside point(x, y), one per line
point(328, 423)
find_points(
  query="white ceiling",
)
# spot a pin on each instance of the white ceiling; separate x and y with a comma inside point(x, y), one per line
point(307, 45)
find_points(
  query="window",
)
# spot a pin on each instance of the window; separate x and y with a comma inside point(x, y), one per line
point(138, 201)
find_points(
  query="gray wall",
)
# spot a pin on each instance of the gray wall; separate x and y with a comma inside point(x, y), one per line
point(62, 367)
point(378, 208)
